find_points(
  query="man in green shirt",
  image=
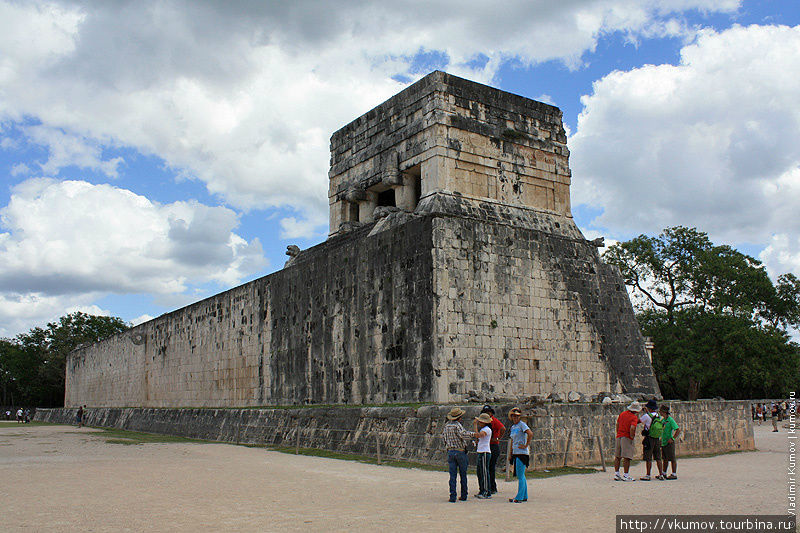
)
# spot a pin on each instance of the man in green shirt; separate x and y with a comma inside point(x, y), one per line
point(669, 433)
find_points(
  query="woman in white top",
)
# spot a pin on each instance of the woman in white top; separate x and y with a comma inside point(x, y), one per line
point(484, 431)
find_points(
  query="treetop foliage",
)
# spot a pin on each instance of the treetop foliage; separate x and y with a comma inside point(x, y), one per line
point(32, 365)
point(718, 321)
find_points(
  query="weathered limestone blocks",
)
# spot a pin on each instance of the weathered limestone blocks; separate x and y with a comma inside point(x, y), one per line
point(563, 434)
point(448, 134)
point(349, 321)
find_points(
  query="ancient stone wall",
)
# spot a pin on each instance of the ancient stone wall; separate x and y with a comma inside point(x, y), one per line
point(349, 322)
point(524, 311)
point(564, 434)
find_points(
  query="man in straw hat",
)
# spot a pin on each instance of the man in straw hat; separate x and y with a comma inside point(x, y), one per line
point(624, 448)
point(455, 439)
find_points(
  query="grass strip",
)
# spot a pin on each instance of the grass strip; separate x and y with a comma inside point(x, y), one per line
point(121, 436)
point(313, 452)
point(14, 423)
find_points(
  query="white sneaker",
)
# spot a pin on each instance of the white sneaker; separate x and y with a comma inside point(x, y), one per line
point(626, 477)
point(617, 477)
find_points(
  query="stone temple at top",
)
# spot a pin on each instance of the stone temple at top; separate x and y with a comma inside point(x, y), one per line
point(453, 267)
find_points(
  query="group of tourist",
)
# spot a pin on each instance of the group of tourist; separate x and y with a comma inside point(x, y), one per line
point(23, 416)
point(659, 431)
point(776, 411)
point(487, 431)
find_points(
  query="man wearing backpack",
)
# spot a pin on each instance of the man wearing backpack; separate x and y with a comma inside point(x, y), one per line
point(651, 444)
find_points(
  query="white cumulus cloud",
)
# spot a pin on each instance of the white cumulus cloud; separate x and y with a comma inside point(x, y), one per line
point(710, 142)
point(70, 241)
point(244, 96)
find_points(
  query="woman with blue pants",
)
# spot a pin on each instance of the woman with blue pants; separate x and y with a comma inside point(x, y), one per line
point(521, 436)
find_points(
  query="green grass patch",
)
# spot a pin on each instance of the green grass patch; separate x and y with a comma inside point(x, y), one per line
point(366, 459)
point(561, 471)
point(14, 423)
point(313, 452)
point(121, 436)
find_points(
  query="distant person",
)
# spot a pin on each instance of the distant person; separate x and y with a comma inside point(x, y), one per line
point(483, 428)
point(79, 416)
point(668, 436)
point(775, 412)
point(498, 430)
point(653, 425)
point(19, 415)
point(8, 415)
point(624, 449)
point(521, 437)
point(27, 416)
point(759, 415)
point(455, 440)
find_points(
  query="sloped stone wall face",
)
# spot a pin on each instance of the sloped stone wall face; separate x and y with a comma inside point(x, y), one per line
point(564, 434)
point(349, 322)
point(426, 309)
point(526, 307)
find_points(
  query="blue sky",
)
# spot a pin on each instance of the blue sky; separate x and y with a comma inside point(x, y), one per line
point(154, 153)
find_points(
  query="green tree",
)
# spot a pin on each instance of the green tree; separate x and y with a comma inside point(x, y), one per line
point(12, 371)
point(38, 358)
point(663, 269)
point(718, 321)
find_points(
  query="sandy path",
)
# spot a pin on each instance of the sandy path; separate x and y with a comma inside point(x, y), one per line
point(59, 478)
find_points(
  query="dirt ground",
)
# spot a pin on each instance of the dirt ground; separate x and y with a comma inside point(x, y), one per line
point(61, 478)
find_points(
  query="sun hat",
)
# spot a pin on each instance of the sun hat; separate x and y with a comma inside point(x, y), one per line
point(455, 413)
point(485, 418)
point(515, 411)
point(487, 409)
point(665, 408)
point(635, 406)
point(651, 404)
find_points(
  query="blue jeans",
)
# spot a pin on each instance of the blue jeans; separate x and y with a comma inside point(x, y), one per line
point(457, 462)
point(522, 485)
